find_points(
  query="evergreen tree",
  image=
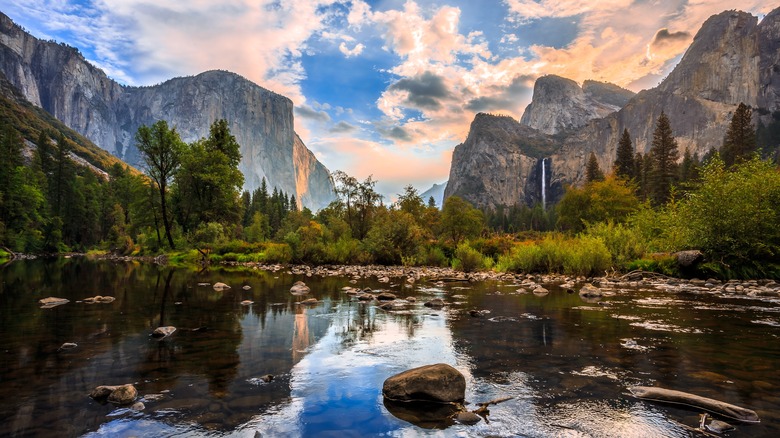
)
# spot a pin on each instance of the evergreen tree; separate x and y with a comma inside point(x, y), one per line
point(664, 154)
point(431, 202)
point(624, 161)
point(740, 139)
point(592, 170)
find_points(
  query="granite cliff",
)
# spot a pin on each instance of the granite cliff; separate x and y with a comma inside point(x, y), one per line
point(732, 59)
point(58, 79)
point(560, 104)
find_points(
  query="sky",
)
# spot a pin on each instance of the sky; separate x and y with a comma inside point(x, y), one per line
point(385, 88)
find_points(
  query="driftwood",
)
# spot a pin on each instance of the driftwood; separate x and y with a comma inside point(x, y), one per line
point(683, 398)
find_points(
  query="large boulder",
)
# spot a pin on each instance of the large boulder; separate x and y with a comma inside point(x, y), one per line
point(688, 258)
point(119, 395)
point(433, 383)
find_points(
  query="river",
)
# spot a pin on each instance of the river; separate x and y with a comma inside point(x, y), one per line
point(565, 362)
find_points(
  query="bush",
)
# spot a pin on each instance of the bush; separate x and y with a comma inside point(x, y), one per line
point(345, 250)
point(467, 259)
point(625, 243)
point(277, 253)
point(583, 255)
point(431, 256)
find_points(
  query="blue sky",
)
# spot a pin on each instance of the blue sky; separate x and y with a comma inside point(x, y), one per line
point(386, 87)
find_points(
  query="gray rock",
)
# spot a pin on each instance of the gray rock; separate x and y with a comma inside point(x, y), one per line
point(438, 383)
point(68, 346)
point(689, 258)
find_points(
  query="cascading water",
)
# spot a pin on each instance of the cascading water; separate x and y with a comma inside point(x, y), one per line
point(544, 195)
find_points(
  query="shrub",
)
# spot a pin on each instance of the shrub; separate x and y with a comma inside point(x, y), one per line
point(431, 256)
point(583, 255)
point(625, 243)
point(277, 253)
point(467, 259)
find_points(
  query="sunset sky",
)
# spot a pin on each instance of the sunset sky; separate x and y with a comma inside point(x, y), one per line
point(384, 88)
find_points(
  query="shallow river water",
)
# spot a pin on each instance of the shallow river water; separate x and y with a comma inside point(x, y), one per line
point(565, 363)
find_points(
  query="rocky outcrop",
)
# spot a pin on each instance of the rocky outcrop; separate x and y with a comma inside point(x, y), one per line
point(58, 79)
point(732, 59)
point(437, 192)
point(560, 104)
point(500, 163)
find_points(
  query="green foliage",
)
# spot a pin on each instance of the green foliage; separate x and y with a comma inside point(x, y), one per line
point(661, 263)
point(430, 256)
point(663, 155)
point(393, 236)
point(161, 149)
point(733, 216)
point(624, 243)
point(612, 199)
point(467, 259)
point(593, 172)
point(624, 166)
point(583, 255)
point(740, 139)
point(459, 220)
point(277, 253)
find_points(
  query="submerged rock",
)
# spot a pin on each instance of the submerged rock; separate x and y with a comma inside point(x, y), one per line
point(67, 346)
point(436, 303)
point(309, 301)
point(220, 286)
point(163, 332)
point(468, 418)
point(247, 303)
point(48, 303)
point(99, 299)
point(432, 383)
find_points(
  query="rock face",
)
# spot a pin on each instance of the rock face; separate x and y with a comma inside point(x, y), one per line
point(560, 104)
point(732, 59)
point(437, 192)
point(58, 79)
point(433, 383)
point(500, 163)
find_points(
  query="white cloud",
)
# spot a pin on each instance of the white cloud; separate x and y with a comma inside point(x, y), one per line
point(357, 50)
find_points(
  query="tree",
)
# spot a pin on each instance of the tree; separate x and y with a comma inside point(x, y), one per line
point(740, 139)
point(161, 149)
point(592, 170)
point(431, 202)
point(411, 202)
point(208, 183)
point(624, 160)
point(459, 220)
point(664, 154)
point(612, 199)
point(359, 200)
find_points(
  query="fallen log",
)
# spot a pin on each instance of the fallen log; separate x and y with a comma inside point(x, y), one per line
point(683, 398)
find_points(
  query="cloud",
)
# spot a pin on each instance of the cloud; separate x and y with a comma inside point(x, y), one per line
point(423, 91)
point(342, 127)
point(357, 50)
point(395, 133)
point(310, 113)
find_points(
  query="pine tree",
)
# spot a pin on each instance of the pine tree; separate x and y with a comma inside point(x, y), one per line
point(624, 160)
point(664, 154)
point(740, 139)
point(431, 202)
point(592, 170)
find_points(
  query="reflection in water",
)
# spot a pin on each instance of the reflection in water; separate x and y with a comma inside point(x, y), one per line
point(565, 363)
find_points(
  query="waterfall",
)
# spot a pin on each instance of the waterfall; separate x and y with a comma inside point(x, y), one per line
point(544, 195)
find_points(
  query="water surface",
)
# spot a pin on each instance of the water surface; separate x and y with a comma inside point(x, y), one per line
point(565, 362)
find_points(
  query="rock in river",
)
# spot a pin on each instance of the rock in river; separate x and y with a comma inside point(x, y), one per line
point(300, 288)
point(385, 296)
point(220, 286)
point(590, 291)
point(48, 303)
point(468, 418)
point(436, 302)
point(163, 332)
point(120, 395)
point(433, 383)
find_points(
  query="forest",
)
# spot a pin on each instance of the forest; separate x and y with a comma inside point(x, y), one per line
point(188, 204)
